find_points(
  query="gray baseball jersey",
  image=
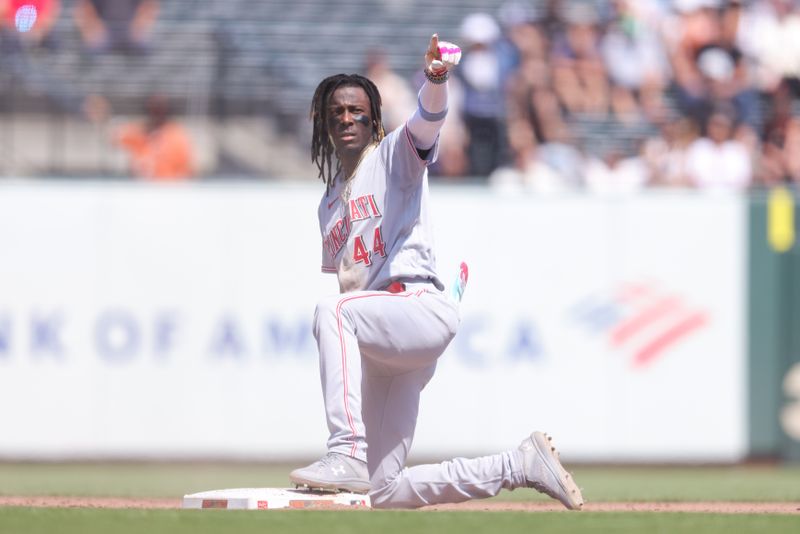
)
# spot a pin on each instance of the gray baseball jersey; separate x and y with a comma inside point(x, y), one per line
point(379, 230)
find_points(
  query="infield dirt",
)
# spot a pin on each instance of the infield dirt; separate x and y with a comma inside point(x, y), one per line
point(716, 507)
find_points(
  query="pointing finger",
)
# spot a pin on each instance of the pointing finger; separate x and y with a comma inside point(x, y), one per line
point(433, 48)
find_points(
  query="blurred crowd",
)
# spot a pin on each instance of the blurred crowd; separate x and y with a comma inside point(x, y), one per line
point(620, 95)
point(551, 95)
point(104, 25)
point(157, 146)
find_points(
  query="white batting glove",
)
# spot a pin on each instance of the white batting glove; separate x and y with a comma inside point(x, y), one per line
point(441, 56)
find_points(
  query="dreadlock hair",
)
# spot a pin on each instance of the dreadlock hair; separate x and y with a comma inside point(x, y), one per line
point(322, 148)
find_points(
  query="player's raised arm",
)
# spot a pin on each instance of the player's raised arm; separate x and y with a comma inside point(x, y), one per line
point(427, 120)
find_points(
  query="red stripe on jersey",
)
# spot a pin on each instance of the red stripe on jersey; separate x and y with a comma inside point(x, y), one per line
point(341, 303)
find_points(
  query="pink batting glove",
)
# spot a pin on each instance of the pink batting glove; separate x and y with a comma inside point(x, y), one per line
point(441, 55)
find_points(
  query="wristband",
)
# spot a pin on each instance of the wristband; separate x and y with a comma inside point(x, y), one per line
point(437, 78)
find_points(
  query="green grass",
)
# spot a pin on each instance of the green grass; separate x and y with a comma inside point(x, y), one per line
point(135, 480)
point(689, 484)
point(86, 521)
point(600, 484)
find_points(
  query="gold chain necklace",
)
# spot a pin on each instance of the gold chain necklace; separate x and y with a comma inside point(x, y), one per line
point(345, 195)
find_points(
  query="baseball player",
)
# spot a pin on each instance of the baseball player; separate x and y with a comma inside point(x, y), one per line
point(380, 338)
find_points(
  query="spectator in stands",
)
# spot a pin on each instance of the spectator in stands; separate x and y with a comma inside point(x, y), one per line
point(780, 158)
point(710, 70)
point(398, 102)
point(694, 28)
point(614, 174)
point(552, 20)
point(531, 76)
point(719, 160)
point(579, 75)
point(27, 26)
point(116, 25)
point(636, 60)
point(543, 156)
point(768, 32)
point(544, 168)
point(665, 155)
point(160, 149)
point(17, 15)
point(482, 79)
point(516, 20)
point(791, 152)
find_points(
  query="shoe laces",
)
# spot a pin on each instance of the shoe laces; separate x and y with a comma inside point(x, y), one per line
point(328, 459)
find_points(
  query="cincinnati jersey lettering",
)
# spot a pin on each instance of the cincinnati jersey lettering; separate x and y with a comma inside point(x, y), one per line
point(361, 208)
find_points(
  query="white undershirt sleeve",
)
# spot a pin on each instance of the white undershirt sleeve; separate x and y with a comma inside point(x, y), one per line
point(427, 120)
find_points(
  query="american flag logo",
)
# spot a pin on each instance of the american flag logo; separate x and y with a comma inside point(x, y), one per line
point(640, 318)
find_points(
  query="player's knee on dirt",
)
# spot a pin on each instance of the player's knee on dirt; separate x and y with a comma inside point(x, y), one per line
point(381, 497)
point(394, 493)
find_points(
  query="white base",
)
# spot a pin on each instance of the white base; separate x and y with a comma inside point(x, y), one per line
point(272, 498)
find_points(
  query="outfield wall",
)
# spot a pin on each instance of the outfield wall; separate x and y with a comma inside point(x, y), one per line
point(774, 326)
point(174, 321)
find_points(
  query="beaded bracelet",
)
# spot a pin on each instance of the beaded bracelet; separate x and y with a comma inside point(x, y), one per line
point(437, 78)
